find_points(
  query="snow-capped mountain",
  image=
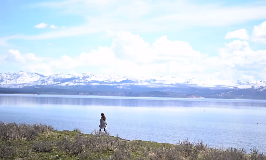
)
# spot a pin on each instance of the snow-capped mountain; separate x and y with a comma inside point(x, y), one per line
point(21, 79)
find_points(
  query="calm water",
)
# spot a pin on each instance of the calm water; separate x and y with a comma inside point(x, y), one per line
point(218, 123)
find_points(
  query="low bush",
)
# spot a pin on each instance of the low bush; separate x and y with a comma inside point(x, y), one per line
point(71, 147)
point(7, 152)
point(42, 146)
point(13, 131)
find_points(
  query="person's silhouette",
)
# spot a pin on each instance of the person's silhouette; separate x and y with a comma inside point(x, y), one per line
point(103, 124)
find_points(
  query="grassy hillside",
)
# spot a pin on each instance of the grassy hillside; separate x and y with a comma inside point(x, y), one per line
point(22, 141)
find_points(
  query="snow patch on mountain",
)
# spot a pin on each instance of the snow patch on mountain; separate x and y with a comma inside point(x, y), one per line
point(19, 78)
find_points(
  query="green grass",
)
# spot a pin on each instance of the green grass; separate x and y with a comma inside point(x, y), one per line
point(21, 141)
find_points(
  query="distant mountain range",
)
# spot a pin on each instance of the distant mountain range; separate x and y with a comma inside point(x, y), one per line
point(22, 79)
point(113, 84)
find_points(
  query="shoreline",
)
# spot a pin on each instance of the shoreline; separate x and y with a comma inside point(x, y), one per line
point(129, 97)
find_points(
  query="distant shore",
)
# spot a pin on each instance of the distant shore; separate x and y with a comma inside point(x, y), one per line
point(134, 97)
point(142, 91)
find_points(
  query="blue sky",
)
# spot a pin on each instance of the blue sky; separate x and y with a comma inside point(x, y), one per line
point(200, 39)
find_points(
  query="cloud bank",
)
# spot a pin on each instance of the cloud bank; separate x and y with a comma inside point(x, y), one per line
point(130, 55)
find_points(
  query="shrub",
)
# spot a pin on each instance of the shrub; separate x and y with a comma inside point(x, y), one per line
point(257, 156)
point(42, 146)
point(7, 152)
point(71, 147)
point(84, 155)
point(13, 131)
point(23, 153)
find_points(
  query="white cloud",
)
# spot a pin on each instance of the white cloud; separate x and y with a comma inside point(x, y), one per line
point(130, 55)
point(30, 57)
point(127, 46)
point(238, 34)
point(42, 68)
point(16, 57)
point(53, 26)
point(41, 25)
point(241, 60)
point(173, 49)
point(259, 33)
point(238, 45)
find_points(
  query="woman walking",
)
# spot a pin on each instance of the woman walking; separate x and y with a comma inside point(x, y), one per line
point(103, 124)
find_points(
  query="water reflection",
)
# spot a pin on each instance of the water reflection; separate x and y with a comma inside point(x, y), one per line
point(124, 101)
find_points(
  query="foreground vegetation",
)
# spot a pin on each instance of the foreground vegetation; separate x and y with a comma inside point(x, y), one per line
point(38, 141)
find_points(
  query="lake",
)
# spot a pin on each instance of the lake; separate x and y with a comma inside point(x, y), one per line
point(219, 123)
